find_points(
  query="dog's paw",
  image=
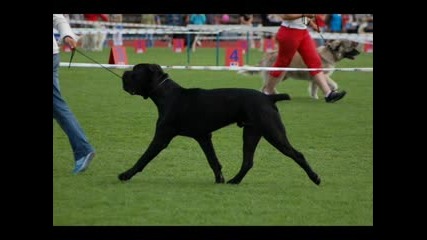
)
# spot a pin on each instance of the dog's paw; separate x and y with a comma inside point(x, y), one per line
point(316, 179)
point(233, 181)
point(125, 176)
point(219, 179)
point(244, 72)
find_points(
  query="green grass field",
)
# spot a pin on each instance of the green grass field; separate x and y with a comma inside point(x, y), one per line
point(177, 188)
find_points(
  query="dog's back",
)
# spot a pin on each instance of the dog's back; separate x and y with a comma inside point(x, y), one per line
point(200, 111)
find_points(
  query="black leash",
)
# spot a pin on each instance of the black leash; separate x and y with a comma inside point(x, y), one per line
point(320, 33)
point(72, 55)
point(93, 60)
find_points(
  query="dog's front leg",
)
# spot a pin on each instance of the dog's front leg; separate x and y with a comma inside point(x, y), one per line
point(205, 143)
point(251, 137)
point(159, 143)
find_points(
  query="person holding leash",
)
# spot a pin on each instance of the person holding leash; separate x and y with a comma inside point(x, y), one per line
point(293, 36)
point(82, 150)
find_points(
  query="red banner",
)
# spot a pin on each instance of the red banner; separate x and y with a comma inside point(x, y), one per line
point(243, 44)
point(268, 45)
point(178, 45)
point(118, 55)
point(140, 46)
point(234, 57)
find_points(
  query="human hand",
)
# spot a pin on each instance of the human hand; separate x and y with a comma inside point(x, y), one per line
point(314, 26)
point(309, 15)
point(70, 41)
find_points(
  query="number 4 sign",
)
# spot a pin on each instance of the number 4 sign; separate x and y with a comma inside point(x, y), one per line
point(178, 45)
point(233, 57)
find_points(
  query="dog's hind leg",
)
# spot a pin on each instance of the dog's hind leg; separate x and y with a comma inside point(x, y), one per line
point(332, 84)
point(312, 89)
point(251, 137)
point(274, 132)
point(160, 142)
point(205, 143)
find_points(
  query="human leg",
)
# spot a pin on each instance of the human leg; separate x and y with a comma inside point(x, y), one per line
point(66, 119)
point(311, 58)
point(288, 41)
point(151, 40)
point(195, 43)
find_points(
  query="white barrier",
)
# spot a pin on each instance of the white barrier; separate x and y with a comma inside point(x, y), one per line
point(80, 31)
point(206, 29)
point(361, 38)
point(218, 68)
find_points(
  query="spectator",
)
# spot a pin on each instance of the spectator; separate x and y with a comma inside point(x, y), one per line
point(78, 17)
point(150, 19)
point(212, 19)
point(367, 25)
point(319, 25)
point(247, 19)
point(82, 150)
point(334, 22)
point(94, 41)
point(177, 20)
point(352, 25)
point(293, 36)
point(345, 19)
point(268, 20)
point(225, 19)
point(196, 19)
point(117, 36)
point(96, 17)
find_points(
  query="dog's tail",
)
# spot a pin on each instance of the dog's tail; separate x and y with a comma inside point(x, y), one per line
point(248, 72)
point(279, 97)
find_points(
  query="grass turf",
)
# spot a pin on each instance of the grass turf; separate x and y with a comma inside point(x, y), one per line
point(177, 187)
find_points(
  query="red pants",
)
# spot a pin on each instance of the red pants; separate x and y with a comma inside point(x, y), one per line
point(292, 40)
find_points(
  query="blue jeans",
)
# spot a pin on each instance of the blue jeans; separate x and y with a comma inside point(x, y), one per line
point(66, 119)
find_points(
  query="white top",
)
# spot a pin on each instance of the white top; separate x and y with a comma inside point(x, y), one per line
point(61, 24)
point(299, 23)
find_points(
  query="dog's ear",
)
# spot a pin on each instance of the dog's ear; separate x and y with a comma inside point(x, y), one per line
point(140, 66)
point(155, 68)
point(329, 42)
point(354, 44)
point(334, 44)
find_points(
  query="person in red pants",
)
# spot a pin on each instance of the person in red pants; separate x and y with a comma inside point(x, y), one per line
point(293, 36)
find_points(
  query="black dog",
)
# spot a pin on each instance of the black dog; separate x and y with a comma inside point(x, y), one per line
point(197, 113)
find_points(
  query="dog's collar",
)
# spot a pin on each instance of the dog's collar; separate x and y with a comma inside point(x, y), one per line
point(333, 52)
point(333, 55)
point(157, 87)
point(326, 60)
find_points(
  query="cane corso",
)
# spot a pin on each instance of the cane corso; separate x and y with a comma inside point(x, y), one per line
point(196, 113)
point(331, 53)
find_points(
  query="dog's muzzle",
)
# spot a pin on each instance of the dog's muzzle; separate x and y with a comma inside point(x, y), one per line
point(351, 54)
point(126, 78)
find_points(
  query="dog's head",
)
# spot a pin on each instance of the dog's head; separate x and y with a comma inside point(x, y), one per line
point(143, 79)
point(343, 48)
